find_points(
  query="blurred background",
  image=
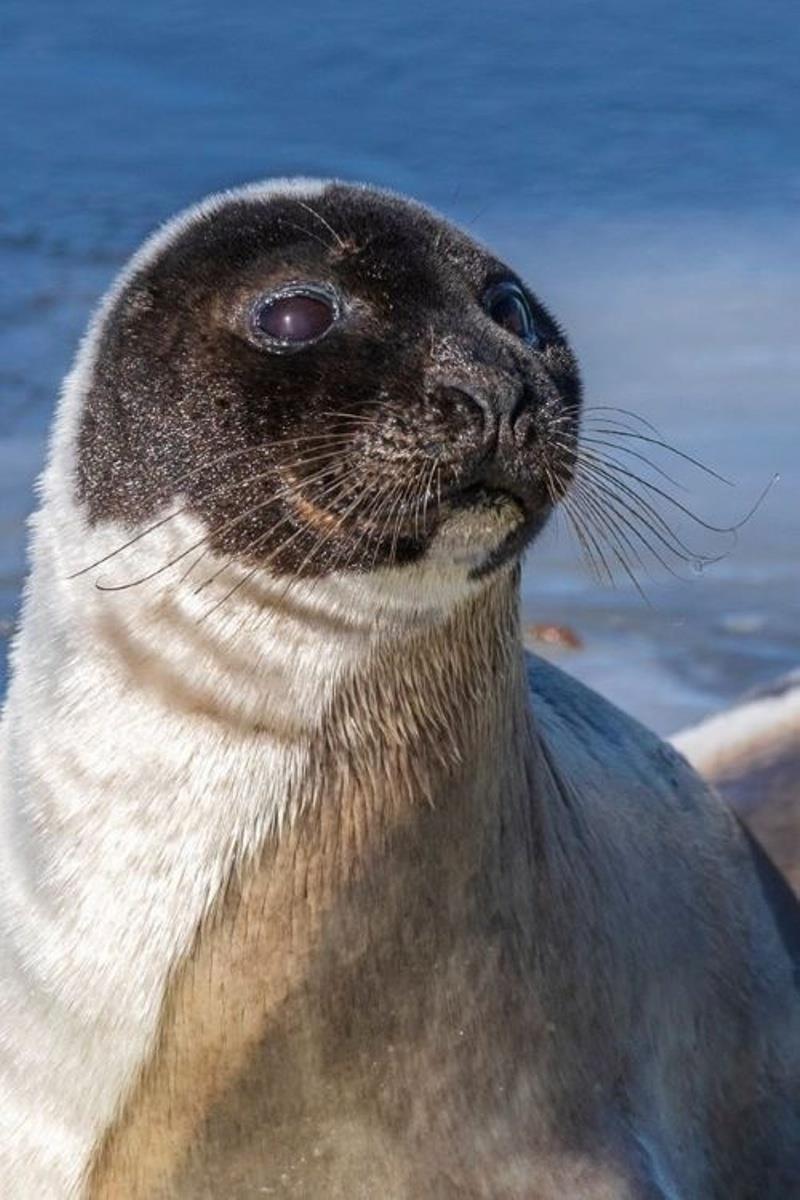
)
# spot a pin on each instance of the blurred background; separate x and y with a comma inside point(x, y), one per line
point(637, 162)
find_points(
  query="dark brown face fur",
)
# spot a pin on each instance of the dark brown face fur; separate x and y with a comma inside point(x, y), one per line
point(350, 452)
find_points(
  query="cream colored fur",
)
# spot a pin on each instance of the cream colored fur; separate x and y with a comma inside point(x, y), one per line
point(126, 721)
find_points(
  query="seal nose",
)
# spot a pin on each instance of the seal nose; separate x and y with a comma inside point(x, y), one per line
point(504, 404)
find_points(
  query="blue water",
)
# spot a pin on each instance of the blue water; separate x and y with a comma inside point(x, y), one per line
point(639, 162)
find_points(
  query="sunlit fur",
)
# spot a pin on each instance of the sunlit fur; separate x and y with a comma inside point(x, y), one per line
point(304, 882)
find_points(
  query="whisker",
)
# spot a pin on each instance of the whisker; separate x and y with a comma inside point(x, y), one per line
point(195, 562)
point(609, 501)
point(614, 428)
point(229, 524)
point(403, 501)
point(610, 527)
point(259, 567)
point(629, 521)
point(653, 441)
point(405, 504)
point(591, 523)
point(646, 510)
point(210, 463)
point(332, 456)
point(373, 506)
point(687, 512)
point(131, 541)
point(393, 520)
point(617, 539)
point(423, 497)
point(626, 412)
point(372, 419)
point(609, 460)
point(245, 579)
point(308, 232)
point(587, 540)
point(385, 511)
point(341, 242)
point(287, 518)
point(322, 541)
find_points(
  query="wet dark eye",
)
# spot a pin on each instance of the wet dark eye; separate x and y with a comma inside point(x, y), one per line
point(507, 305)
point(289, 320)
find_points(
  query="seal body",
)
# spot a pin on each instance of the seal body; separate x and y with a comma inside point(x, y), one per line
point(310, 883)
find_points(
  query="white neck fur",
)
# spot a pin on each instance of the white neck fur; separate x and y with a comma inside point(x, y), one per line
point(144, 752)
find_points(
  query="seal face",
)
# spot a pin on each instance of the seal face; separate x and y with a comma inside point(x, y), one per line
point(327, 383)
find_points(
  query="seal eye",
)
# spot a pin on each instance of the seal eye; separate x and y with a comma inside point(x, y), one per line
point(293, 318)
point(508, 307)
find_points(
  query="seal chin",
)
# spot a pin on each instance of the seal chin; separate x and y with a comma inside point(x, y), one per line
point(510, 548)
point(486, 528)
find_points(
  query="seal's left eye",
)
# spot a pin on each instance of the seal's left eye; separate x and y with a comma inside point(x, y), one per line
point(290, 320)
point(508, 306)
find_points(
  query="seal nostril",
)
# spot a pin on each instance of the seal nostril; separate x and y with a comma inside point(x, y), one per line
point(484, 404)
point(471, 402)
point(523, 420)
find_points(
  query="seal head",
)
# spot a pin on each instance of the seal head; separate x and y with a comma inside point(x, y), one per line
point(335, 381)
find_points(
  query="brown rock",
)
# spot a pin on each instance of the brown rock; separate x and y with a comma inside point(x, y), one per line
point(554, 635)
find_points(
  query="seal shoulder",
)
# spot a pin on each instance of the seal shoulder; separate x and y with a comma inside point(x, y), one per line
point(602, 735)
point(658, 800)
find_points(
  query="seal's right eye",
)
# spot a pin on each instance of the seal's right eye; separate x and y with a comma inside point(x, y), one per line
point(508, 307)
point(294, 317)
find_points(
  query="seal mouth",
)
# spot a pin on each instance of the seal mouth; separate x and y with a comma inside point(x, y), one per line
point(484, 495)
point(515, 520)
point(477, 497)
point(511, 547)
point(480, 523)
